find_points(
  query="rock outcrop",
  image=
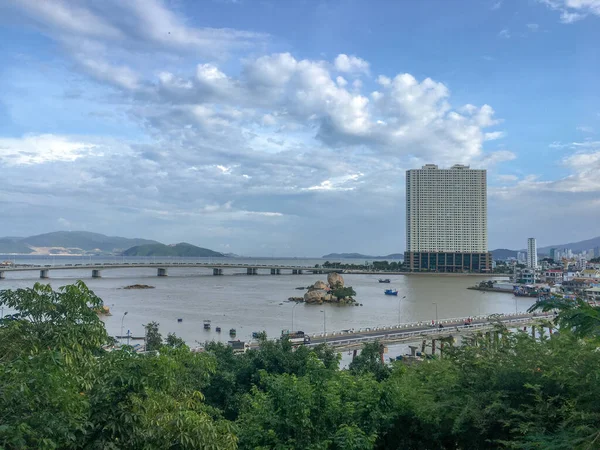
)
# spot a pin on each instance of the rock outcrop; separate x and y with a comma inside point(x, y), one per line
point(315, 296)
point(320, 285)
point(335, 280)
point(322, 292)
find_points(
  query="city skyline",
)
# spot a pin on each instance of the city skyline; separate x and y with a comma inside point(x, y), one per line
point(286, 130)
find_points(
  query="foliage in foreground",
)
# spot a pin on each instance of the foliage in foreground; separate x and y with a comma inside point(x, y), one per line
point(59, 389)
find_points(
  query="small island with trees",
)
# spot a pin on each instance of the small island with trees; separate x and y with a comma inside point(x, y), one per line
point(333, 291)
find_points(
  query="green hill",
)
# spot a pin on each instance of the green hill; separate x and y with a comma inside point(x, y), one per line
point(13, 245)
point(181, 249)
point(83, 240)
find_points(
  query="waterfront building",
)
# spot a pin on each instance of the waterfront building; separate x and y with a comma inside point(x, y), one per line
point(531, 253)
point(553, 254)
point(446, 219)
point(554, 276)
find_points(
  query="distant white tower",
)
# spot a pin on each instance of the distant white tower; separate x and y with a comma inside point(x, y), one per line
point(531, 253)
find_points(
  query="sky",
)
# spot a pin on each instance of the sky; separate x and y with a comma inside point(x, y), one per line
point(284, 128)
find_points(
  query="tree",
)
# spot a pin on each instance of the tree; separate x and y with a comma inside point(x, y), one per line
point(342, 292)
point(369, 360)
point(64, 321)
point(174, 341)
point(153, 337)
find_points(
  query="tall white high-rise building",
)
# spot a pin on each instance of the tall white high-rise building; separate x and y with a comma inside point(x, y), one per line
point(531, 253)
point(446, 219)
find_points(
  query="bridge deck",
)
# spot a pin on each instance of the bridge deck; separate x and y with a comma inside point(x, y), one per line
point(156, 265)
point(412, 332)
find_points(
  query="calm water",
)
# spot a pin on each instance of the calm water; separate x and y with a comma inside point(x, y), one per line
point(254, 303)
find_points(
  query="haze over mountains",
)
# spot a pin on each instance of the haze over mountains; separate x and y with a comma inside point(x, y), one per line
point(85, 242)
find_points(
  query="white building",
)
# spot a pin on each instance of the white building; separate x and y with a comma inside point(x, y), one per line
point(446, 219)
point(531, 253)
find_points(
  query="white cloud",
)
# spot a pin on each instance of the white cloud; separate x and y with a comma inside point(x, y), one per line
point(496, 5)
point(533, 27)
point(40, 149)
point(492, 136)
point(341, 81)
point(574, 10)
point(504, 34)
point(585, 129)
point(507, 178)
point(351, 64)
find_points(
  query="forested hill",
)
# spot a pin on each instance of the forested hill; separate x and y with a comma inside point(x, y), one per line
point(181, 249)
point(70, 242)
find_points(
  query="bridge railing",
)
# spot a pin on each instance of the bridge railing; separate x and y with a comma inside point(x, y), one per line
point(478, 321)
point(426, 332)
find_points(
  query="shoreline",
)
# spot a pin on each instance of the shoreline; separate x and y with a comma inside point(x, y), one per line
point(446, 274)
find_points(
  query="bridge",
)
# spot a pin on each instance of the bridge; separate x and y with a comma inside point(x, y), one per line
point(162, 268)
point(413, 332)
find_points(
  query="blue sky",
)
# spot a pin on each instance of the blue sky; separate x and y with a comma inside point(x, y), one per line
point(284, 128)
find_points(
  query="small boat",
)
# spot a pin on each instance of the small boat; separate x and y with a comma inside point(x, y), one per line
point(179, 320)
point(207, 324)
point(232, 332)
point(391, 292)
point(218, 329)
point(386, 280)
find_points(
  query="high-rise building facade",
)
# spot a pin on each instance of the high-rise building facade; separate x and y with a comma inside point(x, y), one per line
point(531, 253)
point(446, 219)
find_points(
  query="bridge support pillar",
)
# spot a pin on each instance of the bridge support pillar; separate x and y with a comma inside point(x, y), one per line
point(161, 272)
point(354, 353)
point(441, 348)
point(423, 344)
point(275, 271)
point(252, 271)
point(299, 271)
point(294, 272)
point(96, 273)
point(217, 271)
point(44, 274)
point(433, 346)
point(533, 331)
point(1, 275)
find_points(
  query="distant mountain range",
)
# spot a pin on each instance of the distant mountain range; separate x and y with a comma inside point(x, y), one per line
point(181, 249)
point(68, 242)
point(504, 253)
point(575, 246)
point(84, 242)
point(361, 256)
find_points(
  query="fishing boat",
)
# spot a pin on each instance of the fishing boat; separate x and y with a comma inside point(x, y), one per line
point(391, 292)
point(207, 324)
point(384, 280)
point(232, 332)
point(218, 329)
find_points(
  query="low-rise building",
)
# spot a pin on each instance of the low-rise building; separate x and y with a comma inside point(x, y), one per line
point(589, 274)
point(593, 293)
point(525, 276)
point(554, 276)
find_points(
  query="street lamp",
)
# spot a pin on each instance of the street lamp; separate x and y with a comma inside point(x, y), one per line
point(324, 326)
point(436, 312)
point(296, 304)
point(122, 319)
point(400, 309)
